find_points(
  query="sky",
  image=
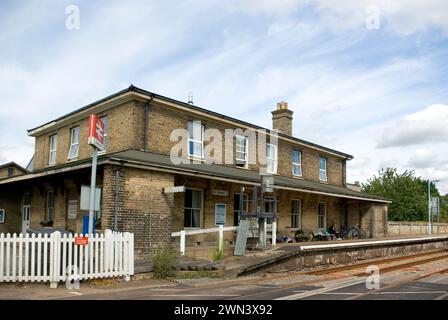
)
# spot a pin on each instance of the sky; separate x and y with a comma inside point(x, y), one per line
point(364, 77)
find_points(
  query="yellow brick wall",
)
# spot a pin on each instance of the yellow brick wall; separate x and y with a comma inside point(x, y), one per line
point(125, 131)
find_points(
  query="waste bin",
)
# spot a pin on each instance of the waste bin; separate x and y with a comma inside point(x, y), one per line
point(85, 225)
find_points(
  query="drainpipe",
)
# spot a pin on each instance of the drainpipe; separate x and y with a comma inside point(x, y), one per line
point(145, 125)
point(117, 194)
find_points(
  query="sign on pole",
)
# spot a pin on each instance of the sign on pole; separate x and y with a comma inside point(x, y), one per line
point(96, 132)
point(96, 139)
point(435, 207)
point(84, 203)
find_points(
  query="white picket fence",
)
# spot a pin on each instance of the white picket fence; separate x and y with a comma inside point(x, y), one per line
point(55, 258)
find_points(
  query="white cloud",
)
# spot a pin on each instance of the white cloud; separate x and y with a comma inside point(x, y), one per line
point(426, 126)
point(403, 17)
point(422, 158)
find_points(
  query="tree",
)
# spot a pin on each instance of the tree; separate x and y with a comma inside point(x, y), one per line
point(408, 193)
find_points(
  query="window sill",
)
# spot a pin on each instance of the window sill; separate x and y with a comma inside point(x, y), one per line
point(72, 159)
point(298, 177)
point(197, 159)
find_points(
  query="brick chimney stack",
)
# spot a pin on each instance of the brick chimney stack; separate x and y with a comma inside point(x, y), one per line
point(282, 118)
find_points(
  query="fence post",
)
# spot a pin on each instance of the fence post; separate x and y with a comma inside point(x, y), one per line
point(221, 237)
point(131, 254)
point(127, 256)
point(108, 254)
point(182, 243)
point(274, 232)
point(54, 259)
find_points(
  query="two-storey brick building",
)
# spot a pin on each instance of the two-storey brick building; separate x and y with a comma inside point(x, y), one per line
point(136, 170)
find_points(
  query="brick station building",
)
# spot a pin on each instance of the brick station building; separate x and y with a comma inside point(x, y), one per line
point(135, 172)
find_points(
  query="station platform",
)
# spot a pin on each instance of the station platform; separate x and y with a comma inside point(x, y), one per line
point(301, 255)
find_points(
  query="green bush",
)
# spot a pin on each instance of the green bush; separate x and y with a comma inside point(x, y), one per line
point(217, 254)
point(165, 262)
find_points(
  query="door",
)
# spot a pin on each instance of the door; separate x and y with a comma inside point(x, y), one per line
point(26, 208)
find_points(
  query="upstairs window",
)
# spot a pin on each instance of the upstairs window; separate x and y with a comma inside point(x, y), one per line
point(297, 163)
point(10, 171)
point(241, 151)
point(322, 169)
point(271, 158)
point(74, 143)
point(53, 147)
point(195, 139)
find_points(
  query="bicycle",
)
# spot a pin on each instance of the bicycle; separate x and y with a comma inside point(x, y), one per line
point(353, 233)
point(356, 233)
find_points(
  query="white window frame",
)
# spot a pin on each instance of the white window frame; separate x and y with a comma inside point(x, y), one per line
point(244, 161)
point(2, 216)
point(74, 143)
point(194, 141)
point(53, 149)
point(324, 216)
point(323, 171)
point(246, 204)
point(296, 164)
point(274, 160)
point(201, 217)
point(299, 215)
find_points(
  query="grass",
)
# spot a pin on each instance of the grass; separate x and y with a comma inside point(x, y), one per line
point(217, 254)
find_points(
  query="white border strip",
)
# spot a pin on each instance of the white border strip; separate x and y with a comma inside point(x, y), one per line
point(360, 244)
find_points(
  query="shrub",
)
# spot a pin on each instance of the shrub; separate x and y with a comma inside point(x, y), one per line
point(217, 254)
point(165, 262)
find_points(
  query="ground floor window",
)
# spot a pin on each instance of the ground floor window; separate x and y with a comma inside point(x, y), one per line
point(296, 212)
point(322, 223)
point(192, 208)
point(50, 205)
point(236, 207)
point(269, 207)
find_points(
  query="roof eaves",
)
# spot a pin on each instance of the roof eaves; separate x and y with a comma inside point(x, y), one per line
point(133, 88)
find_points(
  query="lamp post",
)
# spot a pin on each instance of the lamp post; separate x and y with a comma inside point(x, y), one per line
point(429, 206)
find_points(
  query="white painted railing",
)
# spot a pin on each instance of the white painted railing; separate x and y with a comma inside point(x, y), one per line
point(56, 258)
point(220, 229)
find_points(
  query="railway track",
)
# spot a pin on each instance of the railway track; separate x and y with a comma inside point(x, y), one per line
point(434, 257)
point(345, 268)
point(406, 265)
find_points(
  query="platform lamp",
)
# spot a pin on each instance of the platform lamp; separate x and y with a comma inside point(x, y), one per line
point(429, 206)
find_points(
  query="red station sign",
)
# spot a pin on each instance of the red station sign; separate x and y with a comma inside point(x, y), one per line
point(96, 132)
